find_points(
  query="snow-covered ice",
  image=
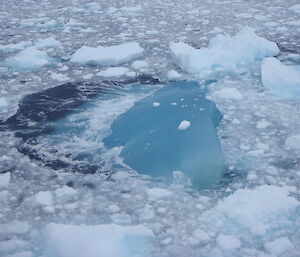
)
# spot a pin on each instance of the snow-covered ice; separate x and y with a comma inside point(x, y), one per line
point(108, 56)
point(107, 240)
point(224, 53)
point(29, 59)
point(281, 80)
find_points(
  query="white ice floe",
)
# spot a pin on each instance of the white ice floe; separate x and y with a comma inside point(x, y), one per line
point(224, 53)
point(108, 56)
point(44, 198)
point(139, 65)
point(65, 193)
point(173, 75)
point(156, 104)
point(29, 59)
point(185, 124)
point(48, 42)
point(59, 76)
point(158, 193)
point(293, 142)
point(114, 72)
point(109, 240)
point(281, 80)
point(279, 246)
point(248, 207)
point(3, 102)
point(4, 179)
point(229, 93)
point(228, 242)
point(17, 46)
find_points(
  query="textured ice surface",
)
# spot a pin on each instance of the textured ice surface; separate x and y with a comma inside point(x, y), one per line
point(29, 59)
point(281, 80)
point(108, 240)
point(224, 53)
point(108, 56)
point(178, 134)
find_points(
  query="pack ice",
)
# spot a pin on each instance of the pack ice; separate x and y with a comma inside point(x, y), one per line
point(281, 80)
point(108, 56)
point(173, 129)
point(224, 53)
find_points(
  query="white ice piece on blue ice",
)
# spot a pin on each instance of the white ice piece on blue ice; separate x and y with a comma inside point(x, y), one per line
point(279, 246)
point(29, 59)
point(108, 56)
point(281, 80)
point(4, 179)
point(48, 42)
point(229, 93)
point(109, 240)
point(17, 46)
point(114, 72)
point(293, 142)
point(228, 242)
point(224, 53)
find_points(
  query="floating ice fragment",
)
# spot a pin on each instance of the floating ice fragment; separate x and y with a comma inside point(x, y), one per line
point(293, 142)
point(279, 246)
point(185, 124)
point(108, 56)
point(65, 193)
point(13, 47)
point(158, 193)
point(173, 75)
point(139, 65)
point(228, 242)
point(156, 104)
point(109, 240)
point(47, 43)
point(224, 53)
point(281, 80)
point(4, 179)
point(59, 76)
point(229, 93)
point(29, 59)
point(114, 72)
point(44, 198)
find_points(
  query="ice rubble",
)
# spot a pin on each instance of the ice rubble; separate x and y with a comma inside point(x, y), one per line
point(281, 80)
point(173, 129)
point(108, 56)
point(224, 53)
point(29, 59)
point(109, 240)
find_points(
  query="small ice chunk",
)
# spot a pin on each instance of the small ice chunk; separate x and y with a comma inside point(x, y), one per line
point(229, 93)
point(227, 242)
point(173, 75)
point(65, 193)
point(293, 142)
point(109, 240)
point(201, 235)
point(185, 124)
point(156, 104)
point(3, 102)
point(29, 59)
point(108, 56)
point(44, 198)
point(139, 65)
point(13, 228)
point(17, 46)
point(224, 53)
point(47, 43)
point(4, 179)
point(59, 76)
point(114, 72)
point(279, 246)
point(158, 193)
point(282, 80)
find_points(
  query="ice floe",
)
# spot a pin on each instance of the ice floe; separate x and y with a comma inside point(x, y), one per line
point(108, 56)
point(224, 53)
point(281, 80)
point(47, 43)
point(114, 72)
point(109, 240)
point(29, 59)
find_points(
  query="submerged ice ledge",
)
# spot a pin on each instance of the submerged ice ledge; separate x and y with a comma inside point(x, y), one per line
point(172, 129)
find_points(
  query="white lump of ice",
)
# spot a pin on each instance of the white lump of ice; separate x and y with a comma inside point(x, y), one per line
point(4, 180)
point(48, 42)
point(185, 124)
point(173, 75)
point(139, 65)
point(29, 59)
point(224, 53)
point(228, 242)
point(248, 207)
point(229, 93)
point(281, 80)
point(17, 46)
point(293, 142)
point(108, 56)
point(279, 246)
point(113, 72)
point(109, 240)
point(44, 198)
point(65, 193)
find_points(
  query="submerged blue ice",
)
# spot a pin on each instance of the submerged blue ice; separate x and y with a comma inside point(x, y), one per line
point(154, 145)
